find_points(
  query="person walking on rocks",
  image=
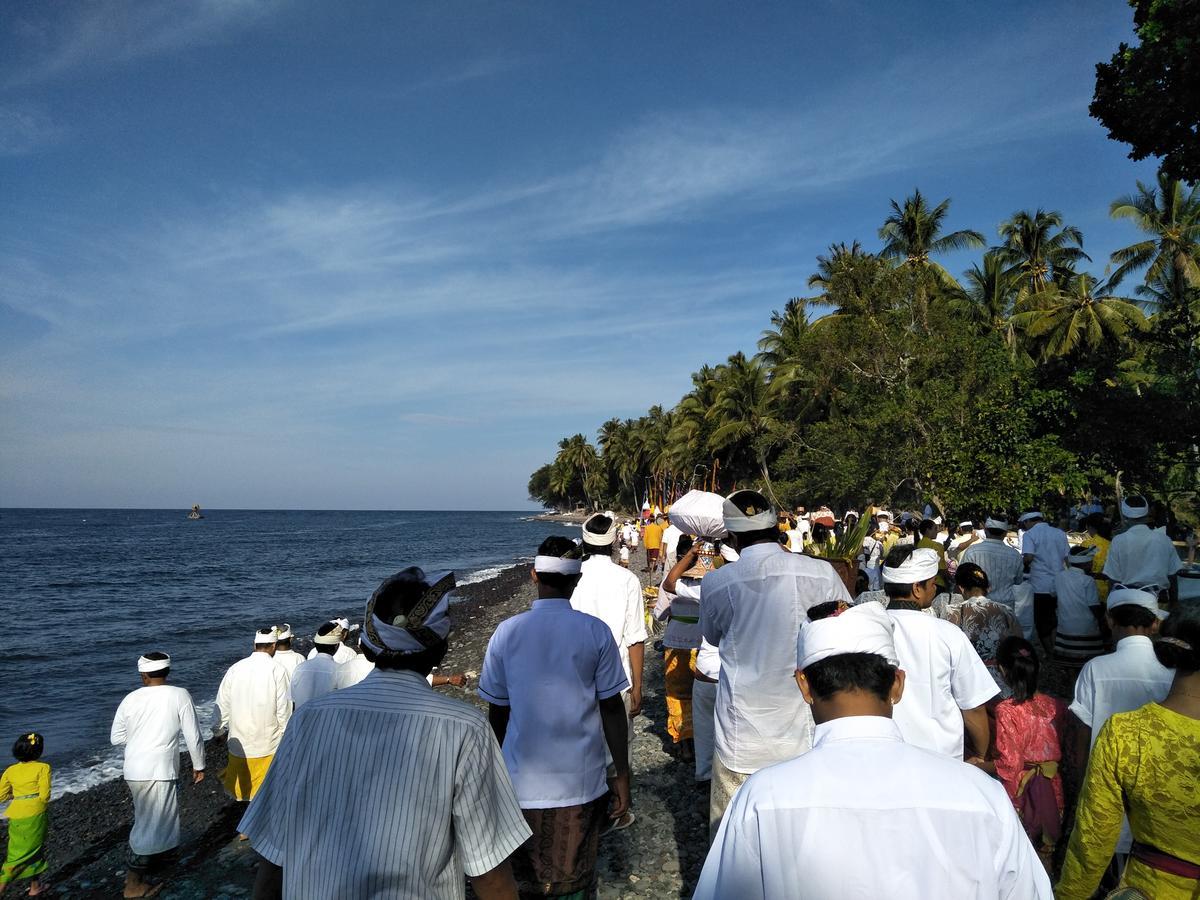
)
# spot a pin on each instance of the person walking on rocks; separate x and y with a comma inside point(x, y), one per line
point(752, 611)
point(285, 656)
point(27, 784)
point(387, 788)
point(148, 724)
point(552, 678)
point(253, 708)
point(1044, 549)
point(320, 674)
point(1141, 556)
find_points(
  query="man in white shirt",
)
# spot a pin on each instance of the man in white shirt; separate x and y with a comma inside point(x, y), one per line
point(552, 677)
point(1077, 638)
point(1126, 679)
point(285, 656)
point(752, 611)
point(148, 723)
point(614, 596)
point(387, 788)
point(253, 707)
point(1002, 564)
point(1044, 550)
point(344, 653)
point(670, 544)
point(948, 684)
point(864, 814)
point(1142, 556)
point(320, 674)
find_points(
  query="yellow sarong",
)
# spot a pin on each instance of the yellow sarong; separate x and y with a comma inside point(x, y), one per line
point(243, 777)
point(678, 677)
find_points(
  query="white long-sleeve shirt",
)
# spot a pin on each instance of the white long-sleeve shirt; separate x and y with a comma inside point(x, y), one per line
point(148, 723)
point(1142, 557)
point(289, 660)
point(315, 678)
point(254, 704)
point(614, 596)
point(342, 655)
point(864, 814)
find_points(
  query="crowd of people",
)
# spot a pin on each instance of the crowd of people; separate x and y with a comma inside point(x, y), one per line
point(876, 729)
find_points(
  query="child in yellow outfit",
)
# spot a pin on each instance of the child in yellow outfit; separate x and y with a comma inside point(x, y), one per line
point(27, 784)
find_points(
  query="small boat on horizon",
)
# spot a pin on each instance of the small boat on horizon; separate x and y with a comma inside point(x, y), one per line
point(195, 513)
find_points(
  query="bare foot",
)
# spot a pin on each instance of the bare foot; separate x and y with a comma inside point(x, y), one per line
point(147, 890)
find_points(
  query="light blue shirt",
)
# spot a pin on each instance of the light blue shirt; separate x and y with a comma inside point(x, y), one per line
point(1048, 547)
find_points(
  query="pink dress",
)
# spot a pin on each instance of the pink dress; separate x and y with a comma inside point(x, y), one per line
point(1028, 734)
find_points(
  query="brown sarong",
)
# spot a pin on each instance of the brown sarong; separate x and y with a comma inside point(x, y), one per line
point(560, 856)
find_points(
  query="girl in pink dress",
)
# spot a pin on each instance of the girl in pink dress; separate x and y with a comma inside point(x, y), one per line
point(1029, 727)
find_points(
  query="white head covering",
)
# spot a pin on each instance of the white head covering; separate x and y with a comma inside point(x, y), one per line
point(866, 628)
point(1026, 517)
point(343, 623)
point(266, 636)
point(1082, 556)
point(753, 519)
point(603, 539)
point(1135, 597)
point(883, 514)
point(334, 636)
point(426, 623)
point(921, 565)
point(1135, 507)
point(285, 633)
point(556, 565)
point(966, 524)
point(995, 524)
point(147, 666)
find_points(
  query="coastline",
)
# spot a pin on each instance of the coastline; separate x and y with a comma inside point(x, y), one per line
point(659, 856)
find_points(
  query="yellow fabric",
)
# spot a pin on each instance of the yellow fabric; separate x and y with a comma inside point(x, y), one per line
point(243, 777)
point(653, 536)
point(927, 544)
point(22, 780)
point(1049, 768)
point(1102, 547)
point(678, 677)
point(1147, 762)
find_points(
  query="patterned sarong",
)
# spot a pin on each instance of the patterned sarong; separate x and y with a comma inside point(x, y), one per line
point(559, 859)
point(25, 858)
point(155, 817)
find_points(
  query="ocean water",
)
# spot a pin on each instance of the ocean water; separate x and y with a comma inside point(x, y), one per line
point(84, 592)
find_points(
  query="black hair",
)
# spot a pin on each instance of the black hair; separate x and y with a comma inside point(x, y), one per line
point(1101, 523)
point(158, 673)
point(897, 556)
point(29, 747)
point(1181, 627)
point(861, 582)
point(562, 547)
point(1132, 616)
point(1019, 661)
point(927, 525)
point(823, 610)
point(820, 533)
point(597, 525)
point(969, 575)
point(783, 538)
point(325, 629)
point(684, 545)
point(868, 672)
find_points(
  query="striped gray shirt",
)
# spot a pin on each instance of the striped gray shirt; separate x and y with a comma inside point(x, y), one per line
point(385, 789)
point(1003, 566)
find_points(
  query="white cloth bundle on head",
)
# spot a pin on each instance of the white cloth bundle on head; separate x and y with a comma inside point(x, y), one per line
point(285, 633)
point(1135, 508)
point(991, 524)
point(921, 565)
point(1135, 597)
point(556, 565)
point(1026, 517)
point(396, 636)
point(333, 636)
point(752, 519)
point(146, 665)
point(866, 628)
point(266, 636)
point(600, 539)
point(343, 623)
point(701, 513)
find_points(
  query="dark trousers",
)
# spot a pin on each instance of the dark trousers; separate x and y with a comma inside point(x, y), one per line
point(1045, 614)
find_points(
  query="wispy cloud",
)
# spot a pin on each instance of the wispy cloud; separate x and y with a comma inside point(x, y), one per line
point(27, 128)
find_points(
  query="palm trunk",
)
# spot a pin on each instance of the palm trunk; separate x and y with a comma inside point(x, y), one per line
point(762, 465)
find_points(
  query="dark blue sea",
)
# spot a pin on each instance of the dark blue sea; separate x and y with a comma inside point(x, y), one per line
point(84, 592)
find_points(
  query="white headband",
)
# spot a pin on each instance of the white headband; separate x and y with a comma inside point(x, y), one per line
point(333, 637)
point(1079, 557)
point(966, 524)
point(1033, 514)
point(600, 540)
point(882, 514)
point(1130, 511)
point(266, 636)
point(921, 565)
point(866, 628)
point(554, 565)
point(1134, 597)
point(751, 520)
point(995, 525)
point(286, 633)
point(146, 666)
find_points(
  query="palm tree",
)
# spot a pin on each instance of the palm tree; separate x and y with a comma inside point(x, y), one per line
point(745, 413)
point(1170, 215)
point(577, 456)
point(839, 255)
point(913, 233)
point(781, 345)
point(988, 295)
point(1081, 312)
point(1031, 249)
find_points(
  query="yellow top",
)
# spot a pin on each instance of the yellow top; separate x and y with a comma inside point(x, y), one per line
point(927, 544)
point(1147, 761)
point(653, 536)
point(1101, 545)
point(27, 784)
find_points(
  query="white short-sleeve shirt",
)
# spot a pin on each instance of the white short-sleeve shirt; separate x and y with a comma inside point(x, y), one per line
point(1077, 596)
point(1049, 548)
point(943, 676)
point(1142, 556)
point(613, 595)
point(551, 666)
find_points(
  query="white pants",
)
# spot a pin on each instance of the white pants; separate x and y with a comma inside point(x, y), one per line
point(704, 701)
point(1023, 607)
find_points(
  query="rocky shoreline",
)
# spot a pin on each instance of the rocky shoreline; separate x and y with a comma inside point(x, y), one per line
point(659, 856)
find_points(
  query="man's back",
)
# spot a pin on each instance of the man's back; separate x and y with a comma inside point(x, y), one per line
point(653, 536)
point(253, 702)
point(1142, 557)
point(1002, 565)
point(148, 722)
point(1129, 677)
point(315, 678)
point(753, 610)
point(613, 595)
point(865, 815)
point(1049, 548)
point(385, 789)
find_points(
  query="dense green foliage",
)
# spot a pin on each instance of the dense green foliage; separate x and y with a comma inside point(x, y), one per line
point(1148, 96)
point(1028, 382)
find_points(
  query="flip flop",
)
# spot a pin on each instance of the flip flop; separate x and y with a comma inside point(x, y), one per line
point(621, 824)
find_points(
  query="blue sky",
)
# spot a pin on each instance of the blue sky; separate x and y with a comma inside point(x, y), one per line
point(258, 253)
